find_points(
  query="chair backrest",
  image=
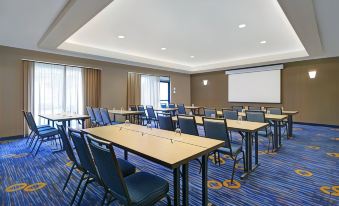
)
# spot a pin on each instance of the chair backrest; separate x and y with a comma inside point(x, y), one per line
point(98, 117)
point(133, 108)
point(230, 114)
point(106, 119)
point(31, 122)
point(108, 168)
point(163, 105)
point(150, 112)
point(238, 108)
point(141, 108)
point(90, 113)
point(274, 110)
point(165, 121)
point(181, 109)
point(217, 129)
point(66, 144)
point(171, 105)
point(83, 152)
point(255, 116)
point(210, 112)
point(254, 108)
point(187, 125)
point(24, 113)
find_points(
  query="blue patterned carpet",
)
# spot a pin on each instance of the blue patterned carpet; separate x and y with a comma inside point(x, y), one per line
point(303, 172)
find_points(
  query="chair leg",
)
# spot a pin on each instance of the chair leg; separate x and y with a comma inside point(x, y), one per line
point(69, 176)
point(168, 200)
point(104, 198)
point(215, 158)
point(36, 142)
point(29, 136)
point(219, 158)
point(83, 190)
point(78, 187)
point(37, 150)
point(244, 160)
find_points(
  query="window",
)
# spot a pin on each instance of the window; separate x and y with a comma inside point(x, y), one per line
point(165, 92)
point(57, 89)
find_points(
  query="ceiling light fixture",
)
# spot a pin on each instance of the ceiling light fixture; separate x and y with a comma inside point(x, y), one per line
point(242, 26)
point(192, 57)
point(312, 74)
point(163, 48)
point(263, 42)
point(121, 37)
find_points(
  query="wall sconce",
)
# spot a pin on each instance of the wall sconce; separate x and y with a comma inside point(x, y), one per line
point(205, 82)
point(312, 74)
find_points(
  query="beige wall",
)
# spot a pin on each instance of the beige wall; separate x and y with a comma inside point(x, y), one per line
point(114, 84)
point(317, 100)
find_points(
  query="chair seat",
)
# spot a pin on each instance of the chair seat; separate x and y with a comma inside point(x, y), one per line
point(236, 149)
point(48, 133)
point(41, 129)
point(145, 188)
point(43, 126)
point(126, 167)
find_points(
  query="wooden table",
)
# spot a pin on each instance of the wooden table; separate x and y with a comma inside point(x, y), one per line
point(290, 121)
point(194, 109)
point(166, 148)
point(126, 113)
point(165, 109)
point(64, 118)
point(246, 129)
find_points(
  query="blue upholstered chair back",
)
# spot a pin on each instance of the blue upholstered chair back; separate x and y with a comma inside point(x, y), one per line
point(31, 122)
point(255, 116)
point(66, 144)
point(141, 108)
point(163, 105)
point(82, 149)
point(187, 125)
point(217, 129)
point(181, 109)
point(90, 113)
point(274, 110)
point(150, 112)
point(171, 105)
point(98, 116)
point(209, 112)
point(230, 114)
point(237, 108)
point(133, 108)
point(165, 121)
point(108, 168)
point(106, 119)
point(254, 108)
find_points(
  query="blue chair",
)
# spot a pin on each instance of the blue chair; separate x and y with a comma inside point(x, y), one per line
point(43, 135)
point(230, 114)
point(238, 108)
point(259, 116)
point(165, 121)
point(134, 117)
point(181, 109)
point(142, 117)
point(254, 108)
point(278, 111)
point(98, 118)
point(187, 124)
point(91, 116)
point(142, 189)
point(217, 129)
point(163, 105)
point(172, 106)
point(106, 119)
point(210, 112)
point(89, 172)
point(151, 115)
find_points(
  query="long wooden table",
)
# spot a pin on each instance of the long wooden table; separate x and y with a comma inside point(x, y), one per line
point(126, 113)
point(64, 118)
point(246, 129)
point(166, 148)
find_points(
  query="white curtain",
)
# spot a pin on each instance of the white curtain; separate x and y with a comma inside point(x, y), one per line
point(150, 90)
point(57, 89)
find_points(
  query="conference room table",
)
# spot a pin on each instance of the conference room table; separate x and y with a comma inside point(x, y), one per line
point(169, 149)
point(194, 109)
point(245, 129)
point(167, 109)
point(126, 113)
point(65, 118)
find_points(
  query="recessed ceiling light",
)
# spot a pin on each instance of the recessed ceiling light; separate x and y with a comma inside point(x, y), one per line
point(263, 42)
point(121, 37)
point(192, 57)
point(163, 48)
point(242, 26)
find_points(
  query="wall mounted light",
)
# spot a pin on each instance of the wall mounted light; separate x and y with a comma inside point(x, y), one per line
point(205, 82)
point(312, 74)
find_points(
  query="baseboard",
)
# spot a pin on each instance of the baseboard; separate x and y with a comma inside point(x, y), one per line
point(316, 124)
point(11, 137)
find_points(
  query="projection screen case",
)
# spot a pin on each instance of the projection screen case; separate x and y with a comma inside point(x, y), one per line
point(259, 84)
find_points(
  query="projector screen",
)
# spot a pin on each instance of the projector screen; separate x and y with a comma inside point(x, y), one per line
point(255, 86)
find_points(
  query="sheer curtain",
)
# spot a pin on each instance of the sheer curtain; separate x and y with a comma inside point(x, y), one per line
point(57, 89)
point(150, 90)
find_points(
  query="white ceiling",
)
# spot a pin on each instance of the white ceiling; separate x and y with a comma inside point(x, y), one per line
point(207, 30)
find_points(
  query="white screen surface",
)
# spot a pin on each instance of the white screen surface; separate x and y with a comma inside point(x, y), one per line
point(260, 87)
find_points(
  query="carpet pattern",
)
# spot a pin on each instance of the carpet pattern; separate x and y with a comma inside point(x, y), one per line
point(303, 172)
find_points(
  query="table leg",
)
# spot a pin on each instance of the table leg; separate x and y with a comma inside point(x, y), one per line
point(185, 185)
point(248, 154)
point(275, 135)
point(256, 149)
point(204, 165)
point(126, 154)
point(49, 122)
point(176, 186)
point(290, 126)
point(83, 123)
point(279, 133)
